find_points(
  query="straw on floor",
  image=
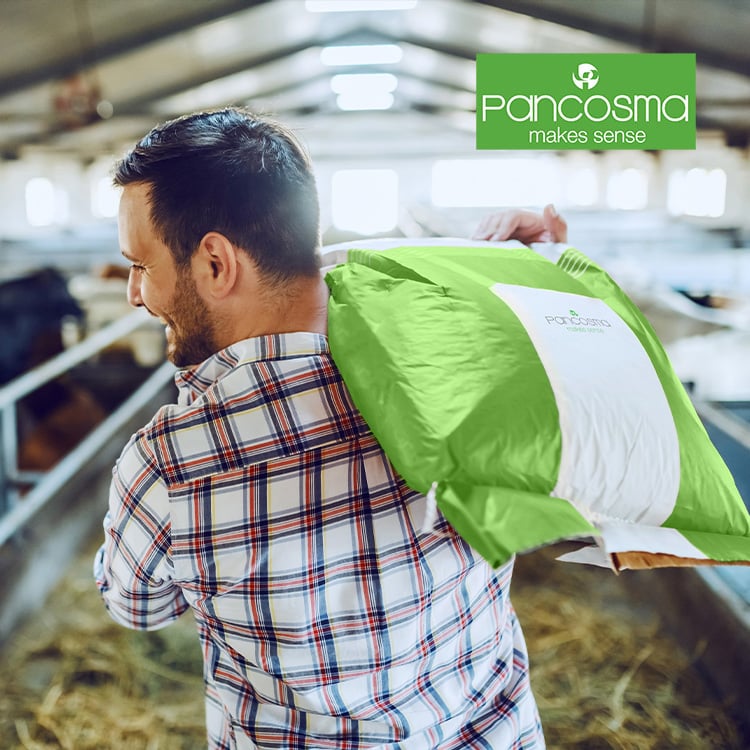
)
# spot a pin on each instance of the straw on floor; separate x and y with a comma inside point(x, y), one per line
point(604, 673)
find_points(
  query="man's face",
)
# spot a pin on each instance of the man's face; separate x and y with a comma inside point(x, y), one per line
point(156, 283)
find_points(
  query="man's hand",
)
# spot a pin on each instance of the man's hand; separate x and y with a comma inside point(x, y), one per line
point(524, 226)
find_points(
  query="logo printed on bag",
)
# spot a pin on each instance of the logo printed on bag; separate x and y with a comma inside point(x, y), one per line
point(575, 323)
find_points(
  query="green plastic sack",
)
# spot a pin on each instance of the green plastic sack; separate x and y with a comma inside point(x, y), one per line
point(533, 402)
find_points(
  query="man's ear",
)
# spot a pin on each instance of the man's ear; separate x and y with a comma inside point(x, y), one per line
point(216, 265)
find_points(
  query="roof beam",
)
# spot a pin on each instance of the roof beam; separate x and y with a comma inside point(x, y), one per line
point(645, 37)
point(196, 14)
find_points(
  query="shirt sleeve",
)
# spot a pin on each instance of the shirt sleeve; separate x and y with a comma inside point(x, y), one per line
point(133, 568)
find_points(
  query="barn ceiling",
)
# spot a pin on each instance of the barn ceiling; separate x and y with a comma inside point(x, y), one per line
point(86, 76)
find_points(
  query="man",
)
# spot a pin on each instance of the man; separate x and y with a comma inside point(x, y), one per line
point(263, 502)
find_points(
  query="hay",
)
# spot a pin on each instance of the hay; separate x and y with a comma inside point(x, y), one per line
point(77, 680)
point(603, 673)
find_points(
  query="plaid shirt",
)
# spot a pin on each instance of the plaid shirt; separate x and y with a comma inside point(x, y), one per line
point(327, 617)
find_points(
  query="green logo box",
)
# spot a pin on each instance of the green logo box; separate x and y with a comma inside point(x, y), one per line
point(593, 102)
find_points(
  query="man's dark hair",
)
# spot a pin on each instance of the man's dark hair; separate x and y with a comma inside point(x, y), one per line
point(233, 172)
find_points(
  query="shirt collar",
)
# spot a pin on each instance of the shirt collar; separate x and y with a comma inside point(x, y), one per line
point(193, 381)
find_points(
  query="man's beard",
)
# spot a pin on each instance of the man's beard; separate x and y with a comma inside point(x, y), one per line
point(190, 339)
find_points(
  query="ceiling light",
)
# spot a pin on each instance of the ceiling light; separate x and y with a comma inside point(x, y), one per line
point(364, 90)
point(336, 6)
point(346, 83)
point(361, 54)
point(354, 100)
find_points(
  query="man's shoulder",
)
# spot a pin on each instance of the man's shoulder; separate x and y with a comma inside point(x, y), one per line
point(258, 411)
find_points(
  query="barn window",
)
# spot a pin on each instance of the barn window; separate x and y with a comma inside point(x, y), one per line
point(628, 189)
point(365, 200)
point(45, 204)
point(105, 198)
point(697, 192)
point(581, 186)
point(495, 182)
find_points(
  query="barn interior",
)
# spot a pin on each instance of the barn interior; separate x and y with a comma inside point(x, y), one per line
point(383, 94)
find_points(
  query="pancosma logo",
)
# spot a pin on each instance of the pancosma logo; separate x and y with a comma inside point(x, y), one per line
point(602, 100)
point(588, 76)
point(636, 108)
point(574, 319)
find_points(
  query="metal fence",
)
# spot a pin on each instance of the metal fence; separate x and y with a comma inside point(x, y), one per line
point(16, 512)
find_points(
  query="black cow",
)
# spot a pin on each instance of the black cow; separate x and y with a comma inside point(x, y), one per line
point(32, 308)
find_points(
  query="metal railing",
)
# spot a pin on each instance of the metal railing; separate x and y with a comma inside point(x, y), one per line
point(15, 513)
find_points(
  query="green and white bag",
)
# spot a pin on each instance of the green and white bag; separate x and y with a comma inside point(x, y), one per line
point(533, 402)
